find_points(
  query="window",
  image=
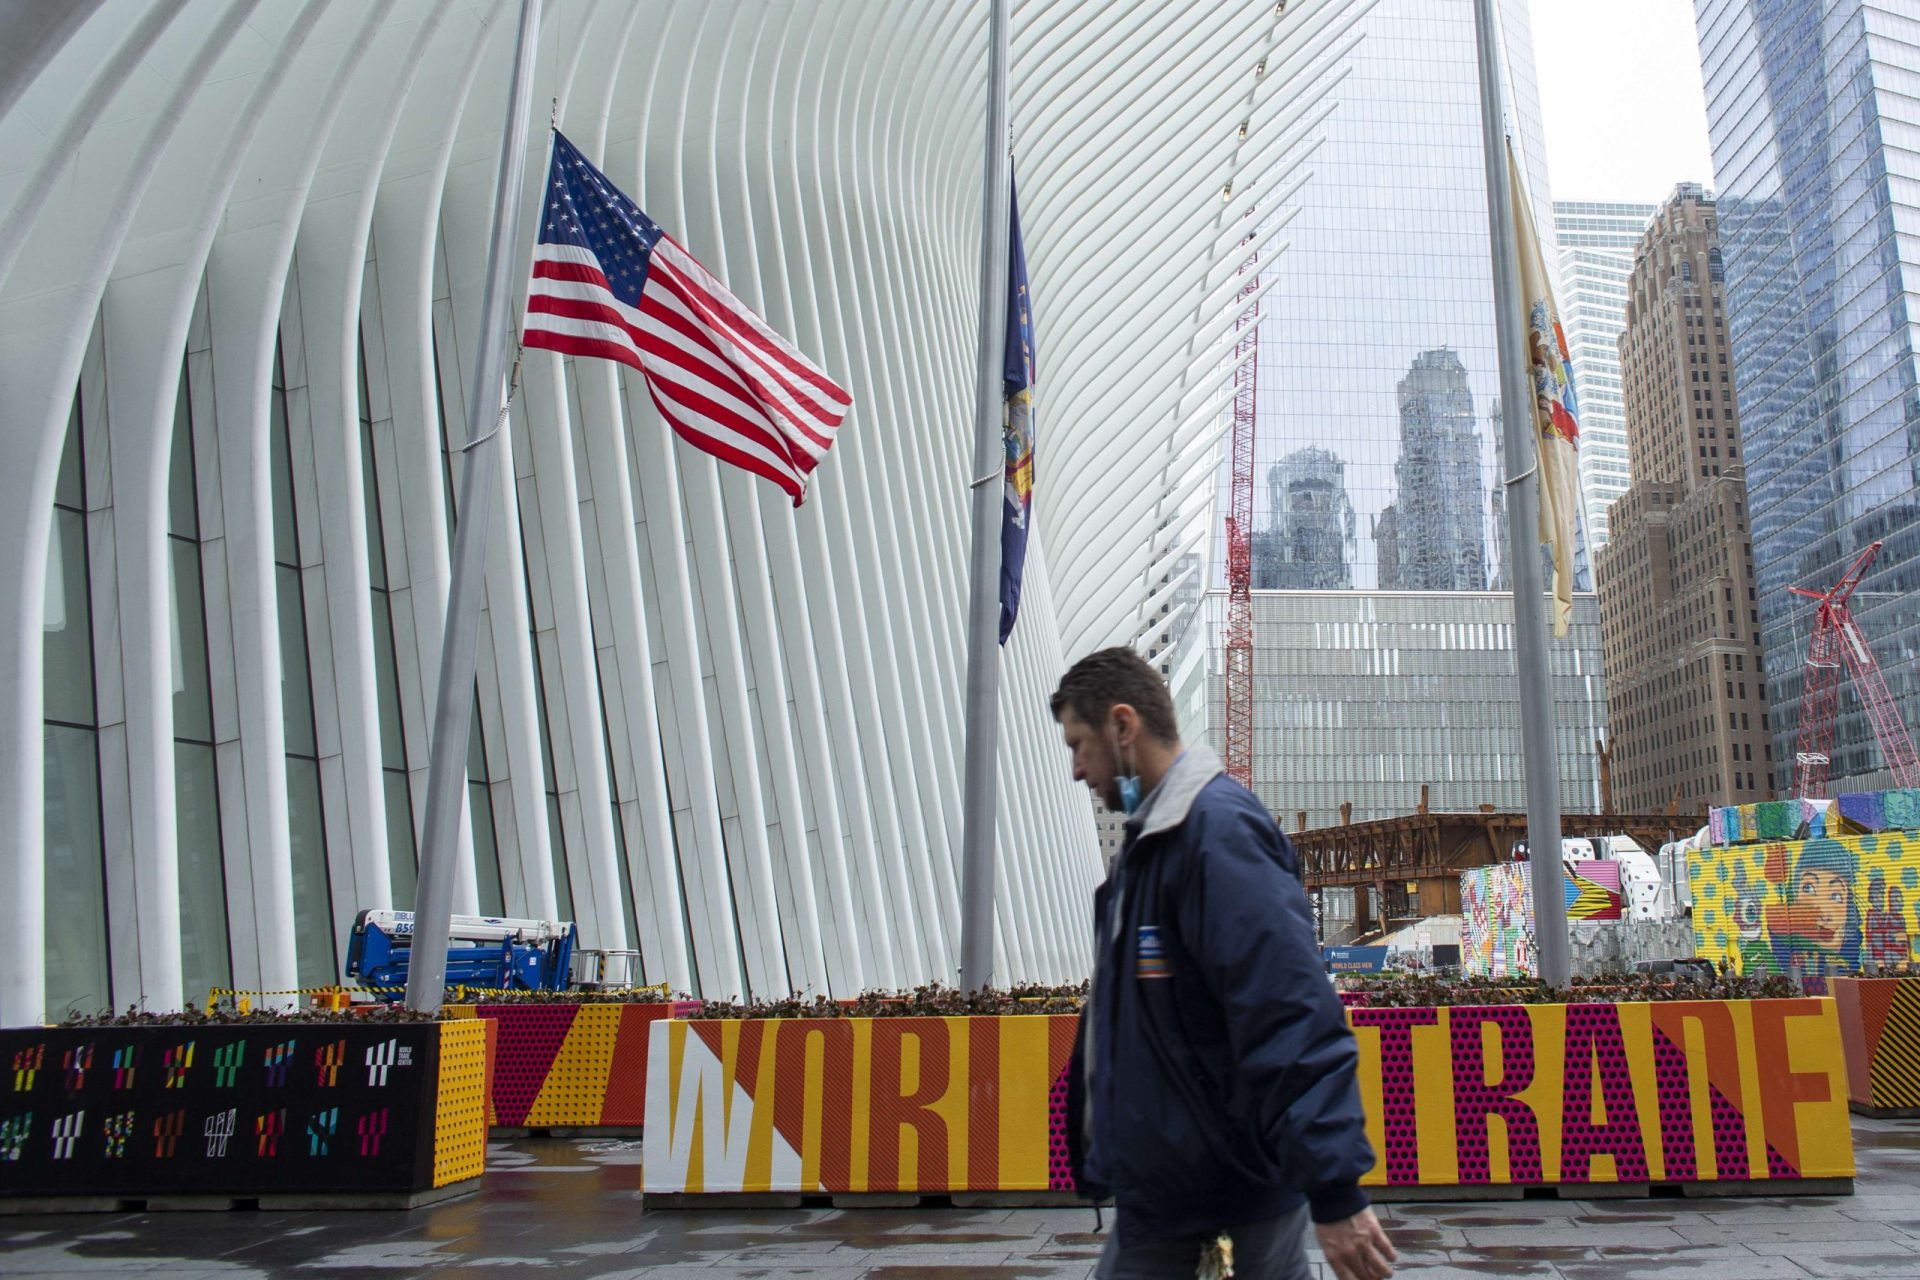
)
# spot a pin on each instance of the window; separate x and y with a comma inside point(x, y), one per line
point(76, 886)
point(313, 943)
point(206, 958)
point(402, 856)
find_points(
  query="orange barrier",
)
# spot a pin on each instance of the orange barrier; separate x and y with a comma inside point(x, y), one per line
point(1880, 1030)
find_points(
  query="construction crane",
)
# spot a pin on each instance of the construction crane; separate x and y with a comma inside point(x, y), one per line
point(1836, 639)
point(1239, 728)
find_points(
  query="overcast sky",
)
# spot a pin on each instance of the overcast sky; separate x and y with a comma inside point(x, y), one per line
point(1620, 92)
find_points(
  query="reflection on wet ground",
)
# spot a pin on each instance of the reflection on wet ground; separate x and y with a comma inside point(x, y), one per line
point(571, 1209)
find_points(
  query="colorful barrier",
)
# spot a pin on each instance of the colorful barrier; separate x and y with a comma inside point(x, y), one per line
point(859, 1105)
point(1864, 812)
point(1880, 1031)
point(1762, 820)
point(1513, 1095)
point(1496, 911)
point(1811, 909)
point(1629, 1093)
point(572, 1066)
point(381, 1112)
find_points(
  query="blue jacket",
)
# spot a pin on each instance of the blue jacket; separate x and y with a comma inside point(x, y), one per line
point(1213, 1081)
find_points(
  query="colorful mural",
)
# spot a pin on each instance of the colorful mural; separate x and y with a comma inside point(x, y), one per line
point(1668, 1093)
point(1496, 909)
point(1867, 811)
point(1809, 909)
point(365, 1109)
point(1765, 820)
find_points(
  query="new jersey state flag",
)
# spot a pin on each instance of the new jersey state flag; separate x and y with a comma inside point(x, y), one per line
point(1556, 423)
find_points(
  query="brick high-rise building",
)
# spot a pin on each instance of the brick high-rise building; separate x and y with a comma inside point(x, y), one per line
point(1680, 623)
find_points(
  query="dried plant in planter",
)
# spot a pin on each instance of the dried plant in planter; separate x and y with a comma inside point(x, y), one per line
point(1428, 992)
point(192, 1016)
point(930, 1001)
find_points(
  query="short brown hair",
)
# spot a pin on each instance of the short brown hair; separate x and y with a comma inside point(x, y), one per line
point(1107, 678)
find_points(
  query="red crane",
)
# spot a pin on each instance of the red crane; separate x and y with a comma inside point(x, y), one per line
point(1836, 639)
point(1239, 729)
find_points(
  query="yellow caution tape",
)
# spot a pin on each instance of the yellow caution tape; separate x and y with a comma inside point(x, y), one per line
point(456, 993)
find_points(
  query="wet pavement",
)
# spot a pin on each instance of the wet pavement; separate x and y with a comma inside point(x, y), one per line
point(570, 1210)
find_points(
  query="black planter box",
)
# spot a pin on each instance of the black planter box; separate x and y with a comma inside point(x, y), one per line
point(370, 1114)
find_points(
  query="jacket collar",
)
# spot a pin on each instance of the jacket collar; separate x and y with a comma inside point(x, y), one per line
point(1173, 799)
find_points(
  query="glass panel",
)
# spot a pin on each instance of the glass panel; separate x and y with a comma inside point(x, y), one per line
point(312, 897)
point(440, 416)
point(182, 513)
point(626, 877)
point(76, 892)
point(370, 493)
point(562, 878)
point(486, 850)
point(69, 489)
point(205, 958)
point(296, 689)
point(477, 743)
point(486, 845)
point(402, 860)
point(286, 528)
point(192, 700)
point(393, 742)
point(69, 622)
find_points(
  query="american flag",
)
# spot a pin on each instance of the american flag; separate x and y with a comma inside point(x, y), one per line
point(608, 282)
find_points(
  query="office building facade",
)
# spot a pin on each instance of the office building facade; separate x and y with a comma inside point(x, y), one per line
point(1597, 242)
point(1678, 604)
point(1815, 118)
point(1363, 697)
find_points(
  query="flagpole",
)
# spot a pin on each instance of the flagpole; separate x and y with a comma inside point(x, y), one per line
point(486, 410)
point(980, 807)
point(1539, 760)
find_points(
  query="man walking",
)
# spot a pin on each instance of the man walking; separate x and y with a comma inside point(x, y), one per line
point(1212, 1090)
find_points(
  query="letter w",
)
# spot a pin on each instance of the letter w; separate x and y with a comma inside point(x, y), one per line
point(706, 1139)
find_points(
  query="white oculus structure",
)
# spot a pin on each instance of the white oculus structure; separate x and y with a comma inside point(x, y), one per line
point(241, 247)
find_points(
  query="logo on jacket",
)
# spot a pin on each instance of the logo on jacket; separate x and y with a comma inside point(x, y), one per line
point(1150, 955)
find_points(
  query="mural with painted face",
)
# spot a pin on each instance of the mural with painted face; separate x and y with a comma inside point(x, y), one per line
point(1817, 931)
point(1810, 908)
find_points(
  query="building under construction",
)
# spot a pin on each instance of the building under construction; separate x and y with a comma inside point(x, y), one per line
point(1406, 868)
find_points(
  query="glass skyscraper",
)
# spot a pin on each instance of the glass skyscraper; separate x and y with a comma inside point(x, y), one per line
point(1597, 241)
point(1815, 117)
point(1385, 292)
point(1377, 494)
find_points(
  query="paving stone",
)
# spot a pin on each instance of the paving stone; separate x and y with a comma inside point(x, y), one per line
point(1584, 1234)
point(1727, 1267)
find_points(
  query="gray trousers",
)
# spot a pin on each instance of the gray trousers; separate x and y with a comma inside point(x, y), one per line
point(1272, 1250)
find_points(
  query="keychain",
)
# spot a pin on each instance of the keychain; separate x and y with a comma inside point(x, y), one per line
point(1216, 1260)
